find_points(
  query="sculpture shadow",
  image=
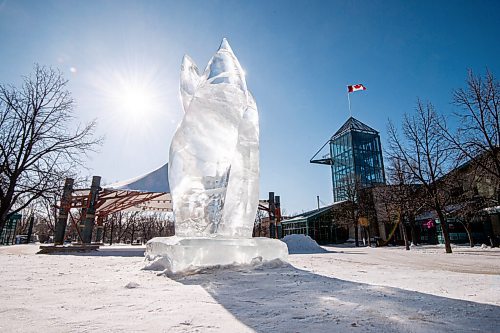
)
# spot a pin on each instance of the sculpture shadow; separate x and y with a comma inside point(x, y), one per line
point(106, 252)
point(321, 251)
point(309, 251)
point(287, 299)
point(119, 252)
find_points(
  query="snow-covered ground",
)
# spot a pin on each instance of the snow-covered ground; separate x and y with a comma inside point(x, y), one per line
point(344, 289)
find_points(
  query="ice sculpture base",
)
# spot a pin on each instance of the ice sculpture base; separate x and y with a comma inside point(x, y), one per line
point(177, 254)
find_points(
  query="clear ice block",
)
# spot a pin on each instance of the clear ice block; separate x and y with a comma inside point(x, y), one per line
point(214, 154)
point(214, 173)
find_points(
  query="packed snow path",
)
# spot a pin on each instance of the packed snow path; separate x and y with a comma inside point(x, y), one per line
point(345, 289)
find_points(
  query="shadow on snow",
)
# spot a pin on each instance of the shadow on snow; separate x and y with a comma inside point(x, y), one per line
point(288, 299)
point(106, 252)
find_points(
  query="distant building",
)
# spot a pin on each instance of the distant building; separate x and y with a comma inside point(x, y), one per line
point(472, 210)
point(8, 234)
point(355, 158)
point(473, 203)
point(354, 154)
point(319, 224)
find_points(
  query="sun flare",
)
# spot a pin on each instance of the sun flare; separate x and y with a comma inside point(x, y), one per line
point(133, 97)
point(135, 100)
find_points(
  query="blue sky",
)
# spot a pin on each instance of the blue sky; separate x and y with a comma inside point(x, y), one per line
point(299, 56)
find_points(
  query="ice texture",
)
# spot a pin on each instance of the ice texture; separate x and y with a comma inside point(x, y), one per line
point(177, 254)
point(214, 174)
point(214, 154)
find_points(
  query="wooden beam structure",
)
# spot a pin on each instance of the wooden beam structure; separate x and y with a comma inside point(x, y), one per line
point(60, 228)
point(90, 210)
point(97, 203)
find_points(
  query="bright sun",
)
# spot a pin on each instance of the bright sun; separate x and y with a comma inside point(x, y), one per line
point(135, 101)
point(133, 98)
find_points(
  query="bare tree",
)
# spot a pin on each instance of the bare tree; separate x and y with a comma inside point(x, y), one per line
point(349, 212)
point(351, 205)
point(37, 147)
point(426, 156)
point(132, 226)
point(478, 136)
point(473, 191)
point(470, 212)
point(402, 198)
point(257, 224)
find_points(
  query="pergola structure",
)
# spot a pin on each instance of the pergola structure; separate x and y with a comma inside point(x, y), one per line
point(150, 192)
point(273, 207)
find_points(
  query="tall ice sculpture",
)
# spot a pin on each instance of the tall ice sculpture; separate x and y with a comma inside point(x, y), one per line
point(214, 172)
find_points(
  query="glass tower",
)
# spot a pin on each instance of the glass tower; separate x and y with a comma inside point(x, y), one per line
point(355, 155)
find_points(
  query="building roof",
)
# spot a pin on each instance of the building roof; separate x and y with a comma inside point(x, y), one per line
point(352, 124)
point(311, 213)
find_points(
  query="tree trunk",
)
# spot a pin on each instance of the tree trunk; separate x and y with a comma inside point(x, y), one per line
point(356, 231)
point(401, 218)
point(405, 235)
point(356, 234)
point(413, 230)
point(132, 234)
point(469, 233)
point(444, 229)
point(30, 229)
point(104, 229)
point(119, 233)
point(498, 192)
point(112, 230)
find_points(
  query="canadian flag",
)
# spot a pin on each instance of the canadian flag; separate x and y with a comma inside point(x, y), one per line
point(355, 87)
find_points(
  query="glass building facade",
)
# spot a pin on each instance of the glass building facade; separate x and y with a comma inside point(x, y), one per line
point(355, 155)
point(318, 224)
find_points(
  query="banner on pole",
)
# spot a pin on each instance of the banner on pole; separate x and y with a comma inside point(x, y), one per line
point(355, 87)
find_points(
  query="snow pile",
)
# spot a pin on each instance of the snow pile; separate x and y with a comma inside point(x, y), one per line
point(131, 285)
point(302, 244)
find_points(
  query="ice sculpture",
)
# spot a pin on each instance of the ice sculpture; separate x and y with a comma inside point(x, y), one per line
point(214, 170)
point(214, 166)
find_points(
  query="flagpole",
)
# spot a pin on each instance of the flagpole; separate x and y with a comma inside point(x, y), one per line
point(353, 88)
point(349, 99)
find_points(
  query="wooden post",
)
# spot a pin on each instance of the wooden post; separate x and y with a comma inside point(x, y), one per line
point(81, 222)
point(90, 213)
point(272, 211)
point(279, 230)
point(62, 219)
point(99, 231)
